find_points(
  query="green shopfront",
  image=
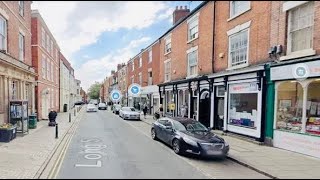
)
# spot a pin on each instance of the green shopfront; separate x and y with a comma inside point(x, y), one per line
point(296, 125)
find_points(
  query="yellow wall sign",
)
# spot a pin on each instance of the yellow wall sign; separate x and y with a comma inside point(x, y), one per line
point(172, 106)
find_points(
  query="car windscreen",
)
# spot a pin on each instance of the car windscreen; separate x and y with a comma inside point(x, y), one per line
point(128, 109)
point(194, 126)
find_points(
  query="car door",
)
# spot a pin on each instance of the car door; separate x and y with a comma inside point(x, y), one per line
point(160, 128)
point(168, 134)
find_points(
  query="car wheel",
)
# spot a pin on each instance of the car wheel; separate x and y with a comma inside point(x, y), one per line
point(176, 146)
point(153, 134)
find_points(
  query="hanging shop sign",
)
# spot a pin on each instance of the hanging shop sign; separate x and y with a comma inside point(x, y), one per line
point(115, 96)
point(134, 90)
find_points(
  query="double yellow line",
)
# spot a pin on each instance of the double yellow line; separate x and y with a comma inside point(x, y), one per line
point(58, 163)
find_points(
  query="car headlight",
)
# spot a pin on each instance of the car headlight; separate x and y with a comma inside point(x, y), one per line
point(190, 141)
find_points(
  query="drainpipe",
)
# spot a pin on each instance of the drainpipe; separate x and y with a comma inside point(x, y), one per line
point(269, 107)
point(213, 35)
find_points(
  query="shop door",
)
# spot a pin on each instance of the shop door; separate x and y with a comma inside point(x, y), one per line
point(219, 115)
point(44, 109)
point(204, 109)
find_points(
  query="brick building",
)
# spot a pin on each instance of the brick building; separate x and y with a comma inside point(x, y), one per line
point(293, 108)
point(17, 76)
point(185, 58)
point(145, 73)
point(45, 59)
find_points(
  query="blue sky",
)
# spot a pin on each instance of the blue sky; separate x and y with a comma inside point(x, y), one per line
point(96, 36)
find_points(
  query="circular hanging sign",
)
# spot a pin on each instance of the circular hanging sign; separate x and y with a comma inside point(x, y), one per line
point(300, 71)
point(115, 95)
point(135, 89)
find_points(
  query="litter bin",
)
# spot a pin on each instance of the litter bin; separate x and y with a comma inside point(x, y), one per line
point(32, 121)
point(65, 107)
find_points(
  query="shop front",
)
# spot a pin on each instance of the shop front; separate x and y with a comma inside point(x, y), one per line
point(189, 98)
point(297, 106)
point(150, 97)
point(238, 102)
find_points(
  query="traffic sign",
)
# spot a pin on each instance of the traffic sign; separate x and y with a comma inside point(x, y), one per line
point(115, 95)
point(134, 89)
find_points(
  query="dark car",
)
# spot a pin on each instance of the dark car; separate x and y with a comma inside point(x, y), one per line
point(79, 103)
point(189, 136)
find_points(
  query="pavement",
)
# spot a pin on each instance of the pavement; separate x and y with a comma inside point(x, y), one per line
point(26, 156)
point(271, 161)
point(106, 146)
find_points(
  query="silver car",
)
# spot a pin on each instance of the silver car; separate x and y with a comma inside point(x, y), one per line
point(129, 113)
point(91, 108)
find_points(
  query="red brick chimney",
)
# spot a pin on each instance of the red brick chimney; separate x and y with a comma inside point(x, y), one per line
point(180, 13)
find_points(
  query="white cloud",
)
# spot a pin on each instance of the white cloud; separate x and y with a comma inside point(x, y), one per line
point(79, 24)
point(97, 69)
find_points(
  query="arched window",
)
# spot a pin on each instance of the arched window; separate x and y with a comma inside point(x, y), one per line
point(313, 108)
point(289, 109)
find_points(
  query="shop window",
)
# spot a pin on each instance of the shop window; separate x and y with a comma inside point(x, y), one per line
point(289, 110)
point(313, 108)
point(243, 109)
point(3, 33)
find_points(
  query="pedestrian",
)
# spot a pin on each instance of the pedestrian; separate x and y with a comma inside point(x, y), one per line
point(161, 110)
point(145, 109)
point(52, 117)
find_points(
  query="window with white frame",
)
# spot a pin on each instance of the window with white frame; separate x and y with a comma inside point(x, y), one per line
point(238, 7)
point(43, 37)
point(48, 43)
point(52, 77)
point(21, 47)
point(167, 47)
point(140, 78)
point(132, 79)
point(43, 66)
point(57, 97)
point(193, 63)
point(57, 75)
point(150, 55)
point(52, 96)
point(48, 69)
point(3, 33)
point(140, 61)
point(21, 8)
point(300, 29)
point(167, 70)
point(238, 48)
point(51, 48)
point(193, 28)
point(132, 65)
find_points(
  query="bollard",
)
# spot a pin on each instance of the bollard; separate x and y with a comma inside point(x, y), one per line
point(69, 116)
point(56, 130)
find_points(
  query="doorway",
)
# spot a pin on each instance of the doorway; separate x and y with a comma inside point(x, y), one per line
point(204, 108)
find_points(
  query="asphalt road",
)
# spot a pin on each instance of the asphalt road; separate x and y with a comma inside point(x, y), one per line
point(105, 146)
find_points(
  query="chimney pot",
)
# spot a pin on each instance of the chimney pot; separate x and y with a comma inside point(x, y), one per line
point(176, 7)
point(180, 7)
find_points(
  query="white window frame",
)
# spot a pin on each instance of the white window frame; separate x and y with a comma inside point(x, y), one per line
point(5, 35)
point(150, 55)
point(235, 31)
point(51, 48)
point(52, 77)
point(48, 69)
point(193, 19)
point(43, 65)
point(232, 16)
point(43, 37)
point(166, 45)
point(21, 46)
point(132, 79)
point(303, 52)
point(132, 67)
point(140, 61)
point(48, 43)
point(191, 50)
point(140, 78)
point(21, 8)
point(166, 62)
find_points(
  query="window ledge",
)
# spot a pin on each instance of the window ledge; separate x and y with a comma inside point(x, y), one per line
point(192, 76)
point(167, 53)
point(298, 54)
point(237, 67)
point(235, 16)
point(192, 40)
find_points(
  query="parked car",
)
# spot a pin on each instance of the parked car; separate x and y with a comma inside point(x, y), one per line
point(189, 136)
point(91, 108)
point(116, 108)
point(102, 106)
point(94, 101)
point(129, 113)
point(79, 103)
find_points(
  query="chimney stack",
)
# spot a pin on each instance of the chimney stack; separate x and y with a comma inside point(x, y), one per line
point(180, 13)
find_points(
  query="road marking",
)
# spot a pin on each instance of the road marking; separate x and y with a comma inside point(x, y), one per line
point(92, 152)
point(164, 146)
